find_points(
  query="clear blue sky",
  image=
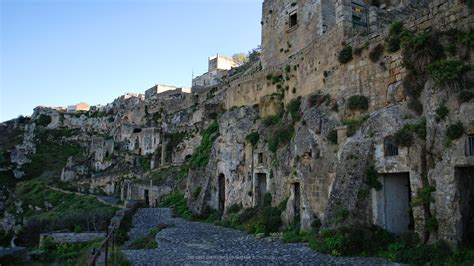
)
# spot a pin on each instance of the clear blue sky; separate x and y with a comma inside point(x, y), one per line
point(60, 52)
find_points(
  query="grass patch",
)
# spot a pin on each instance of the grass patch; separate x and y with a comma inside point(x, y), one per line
point(200, 157)
point(178, 203)
point(354, 124)
point(280, 137)
point(441, 112)
point(68, 211)
point(148, 241)
point(447, 70)
point(51, 152)
point(294, 109)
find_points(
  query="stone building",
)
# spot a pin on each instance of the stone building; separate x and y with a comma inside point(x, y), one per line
point(80, 107)
point(217, 69)
point(157, 89)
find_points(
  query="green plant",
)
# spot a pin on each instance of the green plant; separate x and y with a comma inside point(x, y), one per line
point(281, 136)
point(288, 69)
point(200, 157)
point(358, 102)
point(466, 95)
point(455, 131)
point(253, 138)
point(447, 70)
point(404, 136)
point(234, 208)
point(294, 109)
point(376, 53)
point(393, 40)
point(354, 124)
point(177, 201)
point(196, 192)
point(271, 120)
point(441, 112)
point(148, 241)
point(423, 196)
point(345, 55)
point(371, 178)
point(43, 120)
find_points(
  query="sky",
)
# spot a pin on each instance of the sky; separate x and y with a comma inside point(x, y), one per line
point(62, 52)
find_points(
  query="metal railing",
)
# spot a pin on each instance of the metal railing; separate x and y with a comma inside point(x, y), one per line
point(104, 249)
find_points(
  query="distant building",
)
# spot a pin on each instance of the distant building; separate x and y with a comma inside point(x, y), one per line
point(157, 89)
point(217, 69)
point(84, 107)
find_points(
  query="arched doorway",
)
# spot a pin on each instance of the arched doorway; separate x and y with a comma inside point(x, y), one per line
point(221, 185)
point(297, 204)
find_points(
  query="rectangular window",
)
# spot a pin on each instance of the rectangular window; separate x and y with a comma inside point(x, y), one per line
point(293, 20)
point(470, 145)
point(390, 147)
point(260, 158)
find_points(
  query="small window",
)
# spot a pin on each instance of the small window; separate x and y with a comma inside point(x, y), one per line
point(390, 147)
point(293, 20)
point(260, 158)
point(470, 145)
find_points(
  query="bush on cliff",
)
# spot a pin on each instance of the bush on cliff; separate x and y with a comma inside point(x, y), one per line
point(200, 157)
point(345, 55)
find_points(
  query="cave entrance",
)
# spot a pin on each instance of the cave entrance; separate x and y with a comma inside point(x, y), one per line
point(397, 196)
point(297, 203)
point(261, 187)
point(147, 197)
point(221, 184)
point(465, 181)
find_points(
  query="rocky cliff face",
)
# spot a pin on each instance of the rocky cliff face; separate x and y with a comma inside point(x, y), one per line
point(372, 142)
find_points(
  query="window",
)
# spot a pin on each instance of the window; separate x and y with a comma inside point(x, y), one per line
point(470, 145)
point(293, 20)
point(260, 158)
point(390, 147)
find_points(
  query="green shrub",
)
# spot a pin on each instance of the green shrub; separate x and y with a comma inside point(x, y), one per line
point(200, 157)
point(352, 241)
point(354, 124)
point(267, 200)
point(234, 208)
point(44, 120)
point(281, 136)
point(345, 55)
point(288, 69)
point(253, 138)
point(447, 70)
point(455, 131)
point(271, 120)
point(376, 53)
point(196, 192)
point(414, 84)
point(394, 35)
point(293, 235)
point(404, 137)
point(441, 112)
point(148, 241)
point(294, 109)
point(332, 136)
point(358, 102)
point(371, 178)
point(177, 201)
point(466, 95)
point(423, 196)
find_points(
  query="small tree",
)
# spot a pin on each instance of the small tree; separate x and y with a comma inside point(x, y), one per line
point(240, 58)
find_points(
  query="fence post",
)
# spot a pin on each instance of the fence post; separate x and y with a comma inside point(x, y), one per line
point(106, 247)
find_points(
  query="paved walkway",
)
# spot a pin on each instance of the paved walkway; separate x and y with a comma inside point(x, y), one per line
point(194, 243)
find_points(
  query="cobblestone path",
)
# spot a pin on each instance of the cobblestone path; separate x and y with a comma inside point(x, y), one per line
point(195, 243)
